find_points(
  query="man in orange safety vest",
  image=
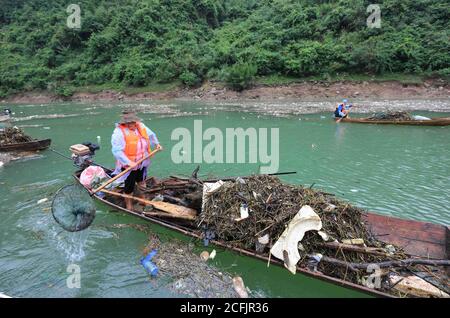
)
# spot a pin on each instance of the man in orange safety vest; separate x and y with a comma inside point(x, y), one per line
point(132, 141)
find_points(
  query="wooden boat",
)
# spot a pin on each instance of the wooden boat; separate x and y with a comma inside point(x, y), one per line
point(4, 118)
point(419, 239)
point(444, 121)
point(26, 146)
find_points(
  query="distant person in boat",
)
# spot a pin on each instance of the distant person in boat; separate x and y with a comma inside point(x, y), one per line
point(342, 109)
point(132, 141)
point(7, 111)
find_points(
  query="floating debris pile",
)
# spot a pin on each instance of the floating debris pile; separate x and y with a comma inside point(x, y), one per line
point(271, 206)
point(257, 212)
point(12, 135)
point(392, 115)
point(187, 272)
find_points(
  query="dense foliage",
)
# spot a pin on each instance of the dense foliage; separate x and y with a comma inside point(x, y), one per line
point(136, 43)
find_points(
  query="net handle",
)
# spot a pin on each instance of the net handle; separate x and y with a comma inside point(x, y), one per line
point(124, 172)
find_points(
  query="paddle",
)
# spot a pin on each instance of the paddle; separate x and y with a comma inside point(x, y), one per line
point(124, 172)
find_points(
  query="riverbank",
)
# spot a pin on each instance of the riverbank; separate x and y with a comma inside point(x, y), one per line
point(212, 91)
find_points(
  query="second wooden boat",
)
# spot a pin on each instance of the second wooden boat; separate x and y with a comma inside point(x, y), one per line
point(34, 145)
point(444, 121)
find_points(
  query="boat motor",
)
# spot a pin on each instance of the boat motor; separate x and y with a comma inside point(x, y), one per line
point(83, 154)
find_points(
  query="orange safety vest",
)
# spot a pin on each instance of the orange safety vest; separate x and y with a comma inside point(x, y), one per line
point(132, 140)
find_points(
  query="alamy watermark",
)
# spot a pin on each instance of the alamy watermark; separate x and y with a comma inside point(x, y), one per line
point(74, 19)
point(374, 19)
point(74, 279)
point(235, 145)
point(374, 279)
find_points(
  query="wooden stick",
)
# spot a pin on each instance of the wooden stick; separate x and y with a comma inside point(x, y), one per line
point(161, 214)
point(152, 190)
point(354, 248)
point(123, 172)
point(266, 228)
point(189, 180)
point(176, 210)
point(232, 178)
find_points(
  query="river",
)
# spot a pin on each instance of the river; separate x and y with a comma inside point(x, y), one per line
point(401, 171)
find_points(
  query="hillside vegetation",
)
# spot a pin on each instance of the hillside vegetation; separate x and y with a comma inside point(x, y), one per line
point(140, 43)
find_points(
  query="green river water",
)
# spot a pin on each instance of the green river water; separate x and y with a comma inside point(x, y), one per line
point(400, 171)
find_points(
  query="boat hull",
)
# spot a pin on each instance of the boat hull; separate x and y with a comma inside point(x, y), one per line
point(416, 238)
point(382, 226)
point(27, 146)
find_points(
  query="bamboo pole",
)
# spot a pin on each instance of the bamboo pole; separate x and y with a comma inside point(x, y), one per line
point(123, 172)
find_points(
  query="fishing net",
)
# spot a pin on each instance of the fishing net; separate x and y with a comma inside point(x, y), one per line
point(73, 208)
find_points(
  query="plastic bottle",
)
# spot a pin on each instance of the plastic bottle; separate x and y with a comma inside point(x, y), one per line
point(149, 266)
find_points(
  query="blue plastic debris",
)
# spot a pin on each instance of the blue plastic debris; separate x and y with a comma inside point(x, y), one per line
point(149, 266)
point(209, 235)
point(314, 261)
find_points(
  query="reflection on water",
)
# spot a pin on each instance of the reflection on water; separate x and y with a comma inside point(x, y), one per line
point(340, 133)
point(72, 245)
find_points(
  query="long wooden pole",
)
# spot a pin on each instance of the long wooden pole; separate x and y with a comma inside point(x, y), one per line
point(181, 212)
point(123, 172)
point(354, 248)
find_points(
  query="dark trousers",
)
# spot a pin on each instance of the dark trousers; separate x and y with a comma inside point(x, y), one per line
point(134, 176)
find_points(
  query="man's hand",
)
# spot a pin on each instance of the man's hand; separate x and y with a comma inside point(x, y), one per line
point(132, 164)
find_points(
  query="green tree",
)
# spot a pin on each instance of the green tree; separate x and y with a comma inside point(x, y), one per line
point(240, 76)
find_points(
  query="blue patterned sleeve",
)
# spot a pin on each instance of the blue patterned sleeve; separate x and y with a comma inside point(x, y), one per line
point(118, 147)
